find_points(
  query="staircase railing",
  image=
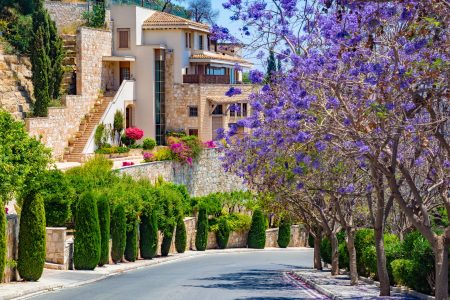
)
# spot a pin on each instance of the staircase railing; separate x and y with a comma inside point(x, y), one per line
point(126, 92)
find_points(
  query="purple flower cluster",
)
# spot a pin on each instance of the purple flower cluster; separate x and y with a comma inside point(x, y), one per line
point(233, 91)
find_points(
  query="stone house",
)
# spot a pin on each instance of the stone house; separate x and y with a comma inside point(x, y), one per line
point(167, 74)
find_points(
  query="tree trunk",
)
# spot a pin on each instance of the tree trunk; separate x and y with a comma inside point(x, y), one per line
point(352, 256)
point(334, 254)
point(382, 272)
point(441, 264)
point(317, 259)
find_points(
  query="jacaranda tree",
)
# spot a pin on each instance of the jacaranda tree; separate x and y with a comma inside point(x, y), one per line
point(367, 81)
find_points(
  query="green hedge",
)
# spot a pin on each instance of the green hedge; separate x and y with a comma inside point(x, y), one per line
point(201, 238)
point(131, 243)
point(257, 233)
point(32, 238)
point(105, 225)
point(2, 241)
point(284, 232)
point(118, 233)
point(223, 233)
point(180, 237)
point(87, 234)
point(416, 264)
point(149, 235)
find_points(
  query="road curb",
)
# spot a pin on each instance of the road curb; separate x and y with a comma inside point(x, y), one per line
point(314, 285)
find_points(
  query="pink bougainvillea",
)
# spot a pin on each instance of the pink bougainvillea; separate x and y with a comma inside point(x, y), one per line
point(6, 210)
point(127, 164)
point(148, 157)
point(182, 151)
point(210, 144)
point(134, 133)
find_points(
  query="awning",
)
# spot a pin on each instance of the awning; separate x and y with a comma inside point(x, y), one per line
point(119, 58)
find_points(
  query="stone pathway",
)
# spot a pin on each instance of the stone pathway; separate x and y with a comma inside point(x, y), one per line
point(339, 287)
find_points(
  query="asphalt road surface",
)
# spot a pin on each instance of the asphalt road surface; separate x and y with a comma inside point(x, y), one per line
point(261, 275)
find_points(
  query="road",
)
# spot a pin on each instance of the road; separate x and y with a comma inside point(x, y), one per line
point(259, 275)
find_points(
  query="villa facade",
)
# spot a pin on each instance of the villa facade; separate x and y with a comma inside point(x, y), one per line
point(170, 75)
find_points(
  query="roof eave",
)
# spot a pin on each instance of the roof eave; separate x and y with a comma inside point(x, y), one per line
point(221, 62)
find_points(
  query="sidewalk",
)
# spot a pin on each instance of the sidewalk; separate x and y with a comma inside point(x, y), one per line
point(54, 279)
point(339, 287)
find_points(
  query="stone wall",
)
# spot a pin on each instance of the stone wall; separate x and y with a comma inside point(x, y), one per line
point(16, 88)
point(57, 247)
point(12, 243)
point(92, 45)
point(61, 124)
point(66, 14)
point(205, 176)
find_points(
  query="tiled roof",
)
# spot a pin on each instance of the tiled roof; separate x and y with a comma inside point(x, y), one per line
point(220, 56)
point(162, 20)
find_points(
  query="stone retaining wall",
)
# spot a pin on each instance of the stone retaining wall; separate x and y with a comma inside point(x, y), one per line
point(66, 14)
point(12, 243)
point(205, 176)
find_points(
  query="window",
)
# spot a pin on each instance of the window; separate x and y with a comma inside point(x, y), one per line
point(187, 37)
point(244, 109)
point(193, 111)
point(124, 35)
point(193, 131)
point(218, 110)
point(215, 71)
point(200, 42)
point(209, 43)
point(235, 110)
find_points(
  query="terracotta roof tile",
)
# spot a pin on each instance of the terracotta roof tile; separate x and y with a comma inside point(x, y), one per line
point(160, 20)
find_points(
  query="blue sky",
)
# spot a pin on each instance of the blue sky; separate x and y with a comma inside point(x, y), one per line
point(224, 20)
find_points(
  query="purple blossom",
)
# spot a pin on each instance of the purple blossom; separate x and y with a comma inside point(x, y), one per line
point(233, 91)
point(333, 103)
point(320, 146)
point(302, 137)
point(256, 76)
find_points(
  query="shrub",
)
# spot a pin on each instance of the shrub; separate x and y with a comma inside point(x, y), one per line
point(104, 221)
point(118, 122)
point(402, 271)
point(167, 240)
point(118, 233)
point(131, 243)
point(257, 233)
point(201, 237)
point(163, 153)
point(134, 133)
point(96, 17)
point(364, 238)
point(149, 144)
point(58, 196)
point(194, 145)
point(284, 232)
point(87, 234)
point(325, 250)
point(223, 233)
point(2, 241)
point(148, 157)
point(98, 136)
point(149, 235)
point(32, 237)
point(180, 237)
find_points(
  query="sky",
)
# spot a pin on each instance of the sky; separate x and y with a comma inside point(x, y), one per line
point(224, 20)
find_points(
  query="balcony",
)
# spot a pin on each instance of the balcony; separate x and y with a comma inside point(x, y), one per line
point(208, 79)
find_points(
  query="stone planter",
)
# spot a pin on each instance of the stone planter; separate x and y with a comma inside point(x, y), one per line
point(136, 152)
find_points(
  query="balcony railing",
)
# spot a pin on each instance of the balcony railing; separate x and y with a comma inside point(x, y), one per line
point(208, 79)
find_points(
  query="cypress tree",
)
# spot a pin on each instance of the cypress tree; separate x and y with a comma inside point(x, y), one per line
point(201, 238)
point(149, 235)
point(40, 72)
point(32, 237)
point(131, 244)
point(271, 66)
point(87, 241)
point(223, 234)
point(257, 233)
point(180, 237)
point(284, 232)
point(56, 55)
point(167, 240)
point(118, 233)
point(2, 241)
point(104, 220)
